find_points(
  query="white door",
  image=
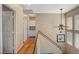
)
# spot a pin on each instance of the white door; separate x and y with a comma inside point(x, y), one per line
point(8, 32)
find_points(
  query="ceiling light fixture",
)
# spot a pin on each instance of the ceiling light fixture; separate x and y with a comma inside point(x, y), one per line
point(61, 27)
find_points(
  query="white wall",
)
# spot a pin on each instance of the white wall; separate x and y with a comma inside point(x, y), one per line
point(46, 23)
point(26, 18)
point(44, 46)
point(19, 25)
point(0, 28)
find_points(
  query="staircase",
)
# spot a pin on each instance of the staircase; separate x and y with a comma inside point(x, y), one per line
point(45, 45)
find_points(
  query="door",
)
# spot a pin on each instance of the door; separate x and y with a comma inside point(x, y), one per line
point(8, 32)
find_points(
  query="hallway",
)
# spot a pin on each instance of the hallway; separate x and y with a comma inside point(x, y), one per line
point(28, 46)
point(56, 29)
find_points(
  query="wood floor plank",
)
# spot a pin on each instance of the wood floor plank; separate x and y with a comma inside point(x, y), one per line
point(28, 46)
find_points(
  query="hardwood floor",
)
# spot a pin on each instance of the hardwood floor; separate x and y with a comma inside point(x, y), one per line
point(28, 46)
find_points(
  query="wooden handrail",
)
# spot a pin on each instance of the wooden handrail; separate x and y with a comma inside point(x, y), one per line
point(35, 42)
point(49, 39)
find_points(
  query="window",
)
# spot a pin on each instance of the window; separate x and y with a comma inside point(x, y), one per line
point(72, 32)
point(69, 23)
point(76, 33)
point(76, 19)
point(69, 38)
point(69, 31)
point(77, 40)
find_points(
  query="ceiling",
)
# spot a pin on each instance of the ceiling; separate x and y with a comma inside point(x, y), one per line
point(50, 8)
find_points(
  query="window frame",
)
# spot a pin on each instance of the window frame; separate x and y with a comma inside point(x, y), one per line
point(70, 30)
point(73, 30)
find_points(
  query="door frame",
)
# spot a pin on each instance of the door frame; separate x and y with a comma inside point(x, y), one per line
point(14, 26)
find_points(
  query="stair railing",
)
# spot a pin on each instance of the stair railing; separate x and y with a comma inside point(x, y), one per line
point(49, 39)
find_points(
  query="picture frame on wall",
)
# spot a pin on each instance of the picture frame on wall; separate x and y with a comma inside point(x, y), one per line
point(60, 37)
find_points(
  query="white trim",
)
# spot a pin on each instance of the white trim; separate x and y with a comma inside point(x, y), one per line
point(14, 32)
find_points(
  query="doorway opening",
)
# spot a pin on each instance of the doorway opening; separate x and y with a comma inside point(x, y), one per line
point(29, 27)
